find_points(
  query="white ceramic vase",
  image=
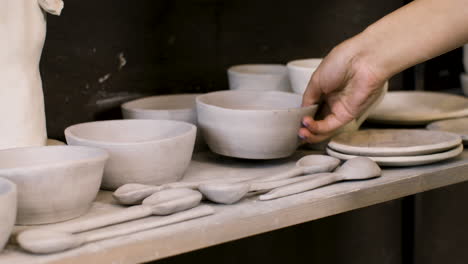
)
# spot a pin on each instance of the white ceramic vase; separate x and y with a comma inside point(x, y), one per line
point(23, 29)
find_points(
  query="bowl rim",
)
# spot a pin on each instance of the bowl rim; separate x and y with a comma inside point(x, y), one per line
point(293, 64)
point(232, 69)
point(125, 106)
point(68, 132)
point(199, 101)
point(101, 155)
point(11, 187)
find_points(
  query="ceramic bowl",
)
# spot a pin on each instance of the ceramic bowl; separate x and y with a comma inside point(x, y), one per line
point(300, 72)
point(252, 124)
point(464, 83)
point(141, 151)
point(259, 77)
point(8, 198)
point(179, 107)
point(55, 183)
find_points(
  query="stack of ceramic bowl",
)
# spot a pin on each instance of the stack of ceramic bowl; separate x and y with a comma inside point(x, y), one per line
point(396, 147)
point(259, 77)
point(252, 124)
point(140, 151)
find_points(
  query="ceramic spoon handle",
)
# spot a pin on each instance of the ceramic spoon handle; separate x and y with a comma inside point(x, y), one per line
point(196, 212)
point(296, 171)
point(321, 179)
point(270, 185)
point(127, 214)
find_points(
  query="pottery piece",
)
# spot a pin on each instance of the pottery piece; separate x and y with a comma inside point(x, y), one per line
point(173, 200)
point(8, 198)
point(179, 107)
point(300, 72)
point(402, 161)
point(457, 126)
point(252, 124)
point(354, 169)
point(141, 151)
point(418, 108)
point(46, 241)
point(259, 77)
point(22, 102)
point(393, 142)
point(464, 83)
point(54, 142)
point(55, 183)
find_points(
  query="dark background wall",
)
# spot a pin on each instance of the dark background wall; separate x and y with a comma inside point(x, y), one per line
point(101, 53)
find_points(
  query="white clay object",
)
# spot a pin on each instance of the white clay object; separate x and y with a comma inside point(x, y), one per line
point(44, 241)
point(418, 107)
point(8, 198)
point(149, 152)
point(300, 72)
point(251, 124)
point(224, 193)
point(134, 193)
point(173, 200)
point(457, 126)
point(394, 142)
point(55, 183)
point(259, 77)
point(356, 169)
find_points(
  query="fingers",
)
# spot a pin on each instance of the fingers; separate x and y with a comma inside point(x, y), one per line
point(317, 131)
point(313, 92)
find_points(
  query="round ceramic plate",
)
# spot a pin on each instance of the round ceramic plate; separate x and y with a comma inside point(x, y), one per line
point(402, 161)
point(458, 126)
point(394, 142)
point(418, 108)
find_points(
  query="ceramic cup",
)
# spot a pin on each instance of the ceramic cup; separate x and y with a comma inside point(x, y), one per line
point(300, 72)
point(8, 198)
point(141, 151)
point(464, 83)
point(179, 107)
point(55, 183)
point(259, 77)
point(252, 124)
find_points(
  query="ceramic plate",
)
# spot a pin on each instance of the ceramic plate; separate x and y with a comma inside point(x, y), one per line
point(394, 142)
point(416, 107)
point(402, 161)
point(458, 126)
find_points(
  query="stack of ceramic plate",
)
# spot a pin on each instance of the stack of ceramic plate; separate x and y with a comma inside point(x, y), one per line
point(418, 108)
point(397, 147)
point(457, 126)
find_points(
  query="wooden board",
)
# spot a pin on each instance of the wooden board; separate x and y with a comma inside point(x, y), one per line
point(250, 216)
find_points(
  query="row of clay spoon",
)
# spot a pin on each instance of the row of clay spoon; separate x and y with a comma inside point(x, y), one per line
point(231, 191)
point(172, 205)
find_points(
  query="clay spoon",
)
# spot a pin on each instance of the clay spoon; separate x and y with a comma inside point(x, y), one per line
point(359, 168)
point(161, 203)
point(133, 193)
point(44, 241)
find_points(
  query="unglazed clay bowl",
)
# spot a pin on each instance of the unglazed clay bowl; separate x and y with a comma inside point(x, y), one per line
point(55, 183)
point(179, 107)
point(300, 72)
point(8, 194)
point(252, 124)
point(259, 77)
point(141, 151)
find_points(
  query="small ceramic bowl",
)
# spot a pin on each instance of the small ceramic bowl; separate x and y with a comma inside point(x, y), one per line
point(141, 151)
point(55, 183)
point(259, 77)
point(464, 83)
point(300, 72)
point(8, 198)
point(252, 124)
point(179, 107)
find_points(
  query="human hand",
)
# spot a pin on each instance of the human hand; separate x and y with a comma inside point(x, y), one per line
point(345, 85)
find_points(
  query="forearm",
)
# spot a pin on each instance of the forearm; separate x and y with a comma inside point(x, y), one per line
point(414, 33)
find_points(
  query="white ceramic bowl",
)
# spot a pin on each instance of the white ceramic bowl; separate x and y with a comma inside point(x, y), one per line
point(179, 107)
point(141, 151)
point(55, 183)
point(464, 83)
point(252, 124)
point(259, 77)
point(300, 72)
point(8, 200)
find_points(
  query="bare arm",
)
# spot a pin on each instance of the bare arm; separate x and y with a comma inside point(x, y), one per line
point(351, 76)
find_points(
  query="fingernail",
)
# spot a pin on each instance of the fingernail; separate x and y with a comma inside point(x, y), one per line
point(305, 124)
point(302, 136)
